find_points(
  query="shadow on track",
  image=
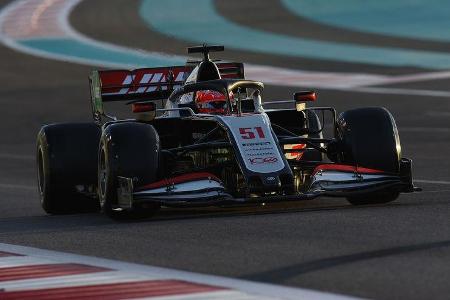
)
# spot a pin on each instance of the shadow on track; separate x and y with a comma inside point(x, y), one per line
point(280, 275)
point(91, 221)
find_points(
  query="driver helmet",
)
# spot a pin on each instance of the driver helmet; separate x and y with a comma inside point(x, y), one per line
point(211, 102)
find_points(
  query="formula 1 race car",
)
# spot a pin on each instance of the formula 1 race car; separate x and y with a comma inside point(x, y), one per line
point(202, 136)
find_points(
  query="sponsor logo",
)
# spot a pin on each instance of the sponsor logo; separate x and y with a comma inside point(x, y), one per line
point(255, 144)
point(138, 85)
point(259, 154)
point(263, 160)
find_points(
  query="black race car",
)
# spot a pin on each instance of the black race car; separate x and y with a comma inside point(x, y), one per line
point(202, 136)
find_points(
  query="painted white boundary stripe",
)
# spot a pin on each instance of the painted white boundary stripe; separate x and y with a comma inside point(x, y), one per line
point(432, 181)
point(17, 187)
point(16, 156)
point(398, 91)
point(249, 287)
point(19, 261)
point(269, 75)
point(433, 113)
point(209, 296)
point(70, 33)
point(425, 129)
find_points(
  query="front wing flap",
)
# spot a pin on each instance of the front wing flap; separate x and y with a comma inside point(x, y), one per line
point(204, 189)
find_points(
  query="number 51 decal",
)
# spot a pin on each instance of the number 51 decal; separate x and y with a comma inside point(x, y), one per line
point(249, 133)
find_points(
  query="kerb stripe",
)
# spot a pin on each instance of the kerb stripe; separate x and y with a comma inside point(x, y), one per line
point(47, 270)
point(129, 290)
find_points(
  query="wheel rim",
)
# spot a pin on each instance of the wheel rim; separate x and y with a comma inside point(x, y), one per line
point(41, 175)
point(102, 177)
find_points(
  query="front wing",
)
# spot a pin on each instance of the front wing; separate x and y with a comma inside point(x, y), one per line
point(205, 189)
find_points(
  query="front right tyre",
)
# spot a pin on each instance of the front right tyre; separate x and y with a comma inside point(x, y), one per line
point(369, 138)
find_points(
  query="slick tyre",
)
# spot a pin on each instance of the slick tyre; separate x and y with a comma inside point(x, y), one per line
point(66, 162)
point(131, 150)
point(369, 138)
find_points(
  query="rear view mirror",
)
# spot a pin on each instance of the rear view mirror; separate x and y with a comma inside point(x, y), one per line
point(145, 112)
point(143, 107)
point(304, 96)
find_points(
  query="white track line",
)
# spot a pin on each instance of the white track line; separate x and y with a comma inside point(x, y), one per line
point(67, 32)
point(425, 129)
point(267, 74)
point(218, 295)
point(247, 287)
point(17, 187)
point(19, 261)
point(399, 91)
point(432, 181)
point(432, 113)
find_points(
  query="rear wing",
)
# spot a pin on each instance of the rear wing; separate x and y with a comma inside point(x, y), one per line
point(147, 84)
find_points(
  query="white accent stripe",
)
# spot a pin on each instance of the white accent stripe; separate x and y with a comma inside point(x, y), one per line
point(140, 90)
point(180, 76)
point(156, 77)
point(128, 79)
point(249, 287)
point(146, 78)
point(199, 184)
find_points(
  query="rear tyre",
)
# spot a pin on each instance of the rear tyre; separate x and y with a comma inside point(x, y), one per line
point(130, 150)
point(369, 138)
point(66, 167)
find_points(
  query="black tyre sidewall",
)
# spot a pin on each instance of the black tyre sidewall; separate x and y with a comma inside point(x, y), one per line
point(57, 176)
point(370, 139)
point(131, 150)
point(372, 133)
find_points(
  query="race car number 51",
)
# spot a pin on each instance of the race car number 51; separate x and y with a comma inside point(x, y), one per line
point(249, 133)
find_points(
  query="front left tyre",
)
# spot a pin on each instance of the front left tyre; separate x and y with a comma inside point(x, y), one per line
point(66, 167)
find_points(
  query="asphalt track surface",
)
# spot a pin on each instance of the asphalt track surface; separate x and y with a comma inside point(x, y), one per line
point(399, 250)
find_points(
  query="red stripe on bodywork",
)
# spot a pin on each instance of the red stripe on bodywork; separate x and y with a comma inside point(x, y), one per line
point(47, 270)
point(180, 179)
point(6, 254)
point(113, 291)
point(346, 168)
